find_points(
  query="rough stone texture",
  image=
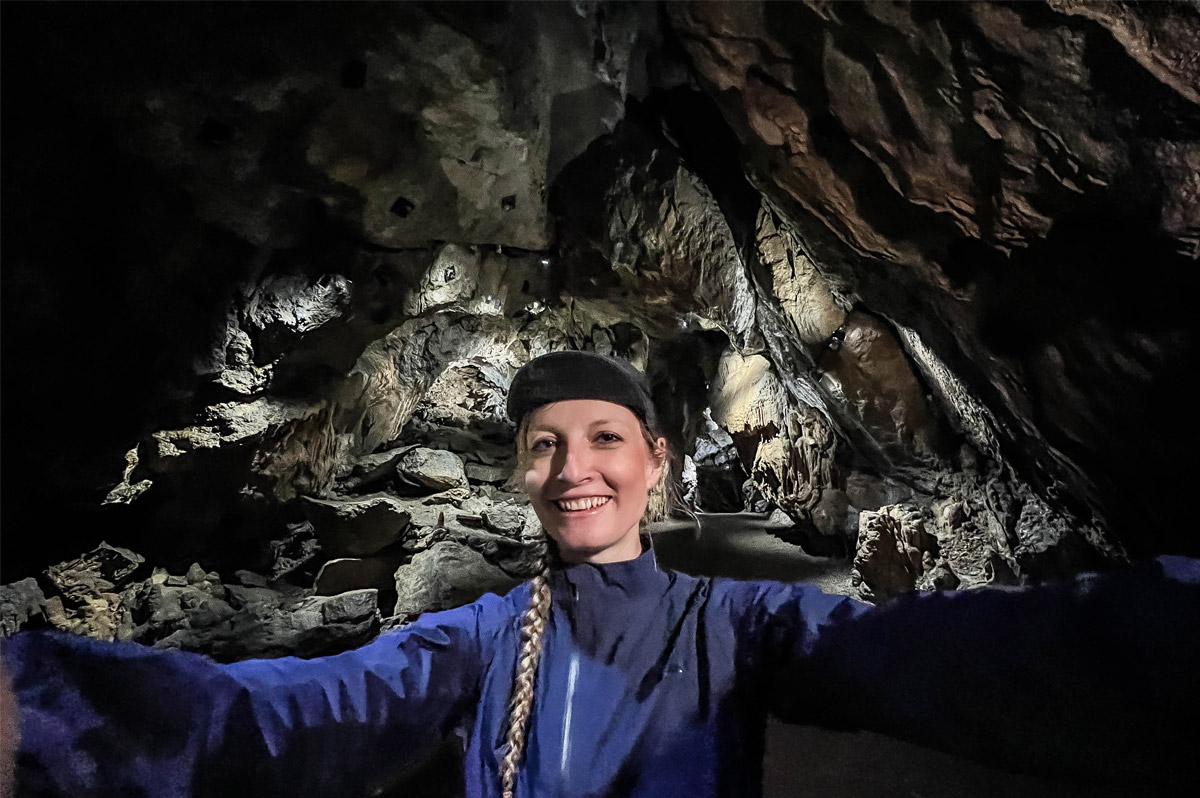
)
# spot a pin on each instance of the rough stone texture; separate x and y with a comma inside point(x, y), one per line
point(803, 293)
point(431, 469)
point(866, 368)
point(914, 92)
point(90, 593)
point(357, 526)
point(20, 602)
point(930, 254)
point(508, 519)
point(233, 622)
point(372, 471)
point(787, 445)
point(491, 474)
point(895, 552)
point(746, 396)
point(983, 175)
point(792, 468)
point(447, 575)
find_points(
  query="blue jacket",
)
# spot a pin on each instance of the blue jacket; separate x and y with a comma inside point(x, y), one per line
point(652, 683)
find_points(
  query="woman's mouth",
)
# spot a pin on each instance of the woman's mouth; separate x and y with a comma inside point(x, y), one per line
point(579, 505)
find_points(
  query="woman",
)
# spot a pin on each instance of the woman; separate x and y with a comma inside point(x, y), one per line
point(608, 675)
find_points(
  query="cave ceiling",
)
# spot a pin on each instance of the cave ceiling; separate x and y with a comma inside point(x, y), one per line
point(924, 270)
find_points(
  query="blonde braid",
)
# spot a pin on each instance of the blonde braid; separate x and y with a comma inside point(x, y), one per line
point(533, 628)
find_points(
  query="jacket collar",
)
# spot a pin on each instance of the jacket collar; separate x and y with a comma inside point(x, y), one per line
point(639, 576)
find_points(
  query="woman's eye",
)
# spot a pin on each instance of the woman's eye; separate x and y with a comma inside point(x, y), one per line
point(541, 445)
point(608, 437)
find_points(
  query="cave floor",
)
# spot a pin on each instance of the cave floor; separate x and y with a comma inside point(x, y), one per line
point(740, 546)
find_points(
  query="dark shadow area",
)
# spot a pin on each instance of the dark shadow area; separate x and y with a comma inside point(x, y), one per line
point(1097, 319)
point(808, 760)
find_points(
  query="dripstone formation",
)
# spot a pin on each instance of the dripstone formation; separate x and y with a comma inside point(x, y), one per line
point(914, 279)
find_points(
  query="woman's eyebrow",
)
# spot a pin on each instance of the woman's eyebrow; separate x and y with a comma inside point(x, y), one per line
point(623, 427)
point(533, 430)
point(603, 422)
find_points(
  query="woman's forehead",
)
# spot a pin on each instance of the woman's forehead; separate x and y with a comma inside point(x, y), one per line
point(582, 413)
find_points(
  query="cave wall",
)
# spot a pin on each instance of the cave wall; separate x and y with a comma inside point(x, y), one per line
point(1013, 187)
point(921, 272)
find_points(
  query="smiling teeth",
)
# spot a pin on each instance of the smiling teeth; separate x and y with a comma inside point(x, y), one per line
point(581, 504)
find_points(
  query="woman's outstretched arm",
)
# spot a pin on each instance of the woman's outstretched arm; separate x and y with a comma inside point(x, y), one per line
point(122, 719)
point(1088, 679)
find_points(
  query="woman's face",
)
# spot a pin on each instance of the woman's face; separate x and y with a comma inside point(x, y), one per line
point(588, 473)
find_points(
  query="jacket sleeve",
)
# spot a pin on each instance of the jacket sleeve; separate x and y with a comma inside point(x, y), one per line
point(1091, 679)
point(123, 719)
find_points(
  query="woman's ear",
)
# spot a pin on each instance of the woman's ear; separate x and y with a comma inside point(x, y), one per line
point(658, 456)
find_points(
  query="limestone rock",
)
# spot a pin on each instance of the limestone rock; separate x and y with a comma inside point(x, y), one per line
point(746, 396)
point(431, 469)
point(494, 475)
point(90, 592)
point(229, 423)
point(126, 490)
point(643, 223)
point(293, 553)
point(234, 622)
point(466, 393)
point(713, 474)
point(358, 526)
point(20, 603)
point(894, 551)
point(508, 519)
point(944, 90)
point(908, 228)
point(864, 128)
point(687, 481)
point(803, 293)
point(284, 306)
point(103, 569)
point(875, 382)
point(451, 277)
point(314, 626)
point(447, 575)
point(372, 471)
point(793, 467)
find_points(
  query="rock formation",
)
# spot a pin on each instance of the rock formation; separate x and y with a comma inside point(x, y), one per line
point(916, 276)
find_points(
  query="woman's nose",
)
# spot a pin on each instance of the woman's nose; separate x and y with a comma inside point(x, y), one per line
point(575, 464)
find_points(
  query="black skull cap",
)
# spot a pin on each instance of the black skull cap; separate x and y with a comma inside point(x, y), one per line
point(561, 376)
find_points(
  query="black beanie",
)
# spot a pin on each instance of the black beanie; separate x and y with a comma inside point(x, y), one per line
point(560, 376)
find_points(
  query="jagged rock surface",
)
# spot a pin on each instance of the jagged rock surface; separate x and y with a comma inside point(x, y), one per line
point(448, 574)
point(983, 175)
point(933, 256)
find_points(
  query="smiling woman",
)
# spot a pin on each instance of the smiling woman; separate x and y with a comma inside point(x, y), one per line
point(595, 471)
point(589, 469)
point(608, 675)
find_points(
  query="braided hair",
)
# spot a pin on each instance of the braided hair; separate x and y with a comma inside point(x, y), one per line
point(533, 628)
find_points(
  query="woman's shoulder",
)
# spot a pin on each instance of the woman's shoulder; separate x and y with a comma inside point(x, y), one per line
point(762, 600)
